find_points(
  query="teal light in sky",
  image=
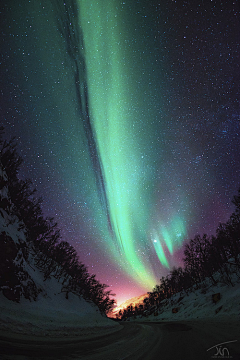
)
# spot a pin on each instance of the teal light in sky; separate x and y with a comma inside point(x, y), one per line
point(173, 234)
point(124, 132)
point(159, 251)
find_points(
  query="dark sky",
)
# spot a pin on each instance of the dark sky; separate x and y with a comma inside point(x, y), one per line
point(162, 86)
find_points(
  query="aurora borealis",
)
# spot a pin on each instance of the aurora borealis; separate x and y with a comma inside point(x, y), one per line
point(162, 86)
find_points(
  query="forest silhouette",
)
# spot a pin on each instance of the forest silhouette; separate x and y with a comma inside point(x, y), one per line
point(53, 256)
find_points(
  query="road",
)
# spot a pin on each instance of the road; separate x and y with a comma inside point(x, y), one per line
point(185, 340)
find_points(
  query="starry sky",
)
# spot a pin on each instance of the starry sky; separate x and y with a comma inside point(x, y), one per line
point(156, 159)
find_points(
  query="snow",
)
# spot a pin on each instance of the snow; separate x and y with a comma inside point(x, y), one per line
point(52, 313)
point(53, 316)
point(199, 304)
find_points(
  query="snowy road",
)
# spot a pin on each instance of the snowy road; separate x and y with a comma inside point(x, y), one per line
point(196, 340)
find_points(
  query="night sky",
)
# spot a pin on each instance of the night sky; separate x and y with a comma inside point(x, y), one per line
point(162, 80)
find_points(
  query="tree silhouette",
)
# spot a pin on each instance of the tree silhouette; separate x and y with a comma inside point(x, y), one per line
point(53, 256)
point(204, 257)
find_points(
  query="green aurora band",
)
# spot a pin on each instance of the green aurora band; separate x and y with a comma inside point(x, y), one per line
point(123, 133)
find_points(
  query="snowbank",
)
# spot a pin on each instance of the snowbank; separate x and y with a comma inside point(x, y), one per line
point(200, 305)
point(55, 317)
point(51, 314)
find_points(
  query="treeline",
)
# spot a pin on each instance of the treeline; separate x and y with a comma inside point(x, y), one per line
point(215, 258)
point(52, 255)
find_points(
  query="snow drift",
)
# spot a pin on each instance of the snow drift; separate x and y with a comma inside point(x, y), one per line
point(29, 303)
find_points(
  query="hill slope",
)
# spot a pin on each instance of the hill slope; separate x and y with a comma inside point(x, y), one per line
point(220, 302)
point(29, 303)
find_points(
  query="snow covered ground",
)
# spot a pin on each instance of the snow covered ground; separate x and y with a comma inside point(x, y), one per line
point(199, 305)
point(51, 314)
